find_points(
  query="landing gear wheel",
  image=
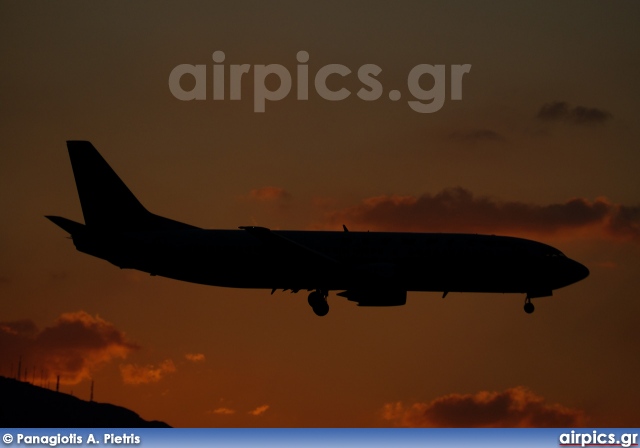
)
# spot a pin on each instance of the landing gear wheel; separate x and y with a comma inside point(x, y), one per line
point(314, 299)
point(318, 302)
point(528, 307)
point(321, 310)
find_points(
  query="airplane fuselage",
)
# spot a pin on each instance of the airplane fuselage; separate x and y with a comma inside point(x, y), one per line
point(411, 261)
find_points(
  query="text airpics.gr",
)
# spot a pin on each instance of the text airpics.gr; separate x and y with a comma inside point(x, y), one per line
point(424, 101)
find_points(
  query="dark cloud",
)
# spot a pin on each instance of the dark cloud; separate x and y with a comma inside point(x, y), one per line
point(561, 111)
point(626, 222)
point(22, 328)
point(458, 210)
point(476, 136)
point(269, 194)
point(73, 347)
point(516, 407)
point(585, 115)
point(59, 276)
point(557, 110)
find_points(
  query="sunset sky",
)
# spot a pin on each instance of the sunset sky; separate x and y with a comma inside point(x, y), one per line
point(544, 144)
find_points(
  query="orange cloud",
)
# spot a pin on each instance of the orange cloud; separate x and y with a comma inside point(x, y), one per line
point(74, 347)
point(458, 210)
point(223, 411)
point(517, 407)
point(194, 357)
point(259, 410)
point(134, 374)
point(269, 194)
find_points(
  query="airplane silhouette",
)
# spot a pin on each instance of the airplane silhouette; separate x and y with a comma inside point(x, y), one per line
point(370, 268)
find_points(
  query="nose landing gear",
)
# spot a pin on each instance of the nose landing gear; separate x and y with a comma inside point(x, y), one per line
point(318, 302)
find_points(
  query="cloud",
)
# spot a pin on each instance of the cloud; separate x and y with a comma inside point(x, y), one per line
point(23, 327)
point(626, 221)
point(74, 347)
point(476, 136)
point(515, 407)
point(458, 210)
point(223, 411)
point(259, 410)
point(58, 276)
point(134, 374)
point(557, 110)
point(561, 111)
point(607, 264)
point(267, 194)
point(194, 357)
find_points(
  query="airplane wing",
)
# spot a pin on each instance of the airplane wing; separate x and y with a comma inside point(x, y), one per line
point(382, 296)
point(295, 250)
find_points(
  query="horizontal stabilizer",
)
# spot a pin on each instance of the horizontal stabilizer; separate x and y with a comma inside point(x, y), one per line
point(68, 225)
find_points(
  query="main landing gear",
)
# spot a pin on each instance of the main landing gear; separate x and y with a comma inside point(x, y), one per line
point(528, 306)
point(318, 302)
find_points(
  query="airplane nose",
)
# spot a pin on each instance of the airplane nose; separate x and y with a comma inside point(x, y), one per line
point(579, 271)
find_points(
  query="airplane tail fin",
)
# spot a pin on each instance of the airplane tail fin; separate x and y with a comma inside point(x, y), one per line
point(107, 203)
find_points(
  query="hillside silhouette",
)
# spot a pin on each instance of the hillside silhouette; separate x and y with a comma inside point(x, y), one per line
point(23, 405)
